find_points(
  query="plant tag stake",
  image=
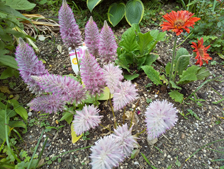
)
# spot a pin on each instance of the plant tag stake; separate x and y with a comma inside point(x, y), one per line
point(80, 52)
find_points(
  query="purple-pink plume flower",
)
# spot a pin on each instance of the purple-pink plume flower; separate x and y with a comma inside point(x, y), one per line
point(160, 116)
point(125, 139)
point(107, 45)
point(124, 94)
point(112, 75)
point(106, 153)
point(67, 88)
point(29, 65)
point(69, 29)
point(92, 36)
point(92, 74)
point(47, 103)
point(85, 119)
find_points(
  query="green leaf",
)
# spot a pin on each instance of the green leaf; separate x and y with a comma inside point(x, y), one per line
point(20, 4)
point(202, 73)
point(122, 63)
point(8, 10)
point(182, 63)
point(19, 109)
point(176, 96)
point(174, 85)
point(144, 40)
point(4, 35)
point(17, 124)
point(128, 40)
point(152, 74)
point(193, 114)
point(131, 77)
point(143, 155)
point(189, 75)
point(167, 68)
point(9, 72)
point(150, 59)
point(180, 52)
point(158, 36)
point(105, 94)
point(134, 11)
point(8, 60)
point(164, 79)
point(115, 13)
point(92, 3)
point(3, 125)
point(67, 117)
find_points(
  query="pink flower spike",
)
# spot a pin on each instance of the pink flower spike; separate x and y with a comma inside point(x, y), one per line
point(85, 119)
point(160, 116)
point(112, 75)
point(92, 74)
point(70, 33)
point(92, 36)
point(107, 45)
point(124, 94)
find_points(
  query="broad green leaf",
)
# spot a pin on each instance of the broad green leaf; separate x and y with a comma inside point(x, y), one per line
point(136, 27)
point(150, 59)
point(174, 85)
point(105, 94)
point(167, 68)
point(202, 73)
point(182, 63)
point(144, 39)
point(75, 138)
point(67, 117)
point(3, 125)
point(9, 72)
point(176, 96)
point(128, 40)
point(8, 60)
point(122, 63)
point(8, 10)
point(164, 79)
point(158, 36)
point(221, 55)
point(180, 52)
point(131, 77)
point(140, 61)
point(20, 4)
point(17, 124)
point(115, 13)
point(189, 75)
point(134, 11)
point(19, 109)
point(92, 3)
point(152, 74)
point(4, 35)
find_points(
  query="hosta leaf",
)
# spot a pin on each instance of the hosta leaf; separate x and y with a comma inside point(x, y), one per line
point(115, 13)
point(134, 11)
point(144, 39)
point(202, 73)
point(176, 96)
point(152, 74)
point(92, 3)
point(75, 138)
point(189, 75)
point(20, 4)
point(182, 63)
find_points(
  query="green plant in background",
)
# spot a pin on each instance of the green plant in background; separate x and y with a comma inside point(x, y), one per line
point(133, 11)
point(135, 49)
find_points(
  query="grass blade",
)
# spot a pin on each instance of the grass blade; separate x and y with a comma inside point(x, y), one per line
point(147, 161)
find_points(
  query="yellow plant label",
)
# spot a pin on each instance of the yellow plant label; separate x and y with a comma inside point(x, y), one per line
point(75, 138)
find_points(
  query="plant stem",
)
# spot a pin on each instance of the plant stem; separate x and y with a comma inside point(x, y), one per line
point(95, 100)
point(78, 75)
point(173, 57)
point(133, 112)
point(124, 114)
point(141, 132)
point(115, 123)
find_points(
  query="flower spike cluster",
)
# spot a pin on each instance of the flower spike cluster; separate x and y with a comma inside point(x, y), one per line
point(112, 75)
point(92, 74)
point(29, 65)
point(179, 21)
point(92, 36)
point(124, 94)
point(201, 52)
point(67, 88)
point(106, 153)
point(69, 29)
point(47, 103)
point(85, 119)
point(160, 116)
point(107, 45)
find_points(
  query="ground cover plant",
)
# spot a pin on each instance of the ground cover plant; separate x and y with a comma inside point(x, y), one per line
point(78, 100)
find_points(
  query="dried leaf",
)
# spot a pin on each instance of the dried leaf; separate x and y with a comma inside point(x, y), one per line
point(4, 89)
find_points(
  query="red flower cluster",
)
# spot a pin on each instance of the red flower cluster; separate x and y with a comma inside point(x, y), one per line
point(179, 21)
point(201, 52)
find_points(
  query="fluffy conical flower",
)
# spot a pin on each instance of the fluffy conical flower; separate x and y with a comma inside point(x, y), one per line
point(106, 153)
point(67, 88)
point(125, 139)
point(29, 65)
point(69, 30)
point(92, 74)
point(160, 116)
point(85, 119)
point(124, 94)
point(47, 103)
point(108, 45)
point(112, 75)
point(92, 36)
